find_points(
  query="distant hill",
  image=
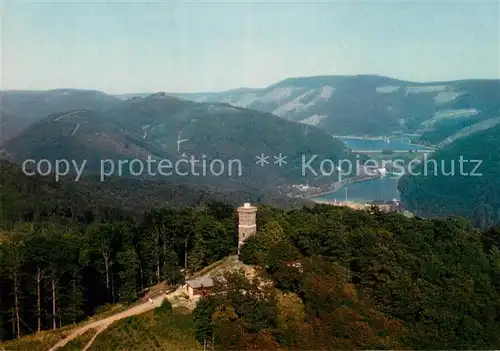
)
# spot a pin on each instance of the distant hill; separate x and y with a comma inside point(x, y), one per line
point(151, 126)
point(475, 197)
point(372, 105)
point(10, 125)
point(340, 105)
point(21, 109)
point(132, 96)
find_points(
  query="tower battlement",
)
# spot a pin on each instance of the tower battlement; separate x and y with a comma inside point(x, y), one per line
point(247, 223)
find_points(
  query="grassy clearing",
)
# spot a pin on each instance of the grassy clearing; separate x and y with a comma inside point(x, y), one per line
point(105, 312)
point(37, 342)
point(80, 342)
point(154, 330)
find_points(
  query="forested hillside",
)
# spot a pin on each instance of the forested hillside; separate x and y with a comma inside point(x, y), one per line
point(29, 198)
point(58, 270)
point(57, 239)
point(341, 277)
point(346, 279)
point(470, 190)
point(366, 281)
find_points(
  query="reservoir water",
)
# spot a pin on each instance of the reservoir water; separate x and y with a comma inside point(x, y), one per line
point(384, 188)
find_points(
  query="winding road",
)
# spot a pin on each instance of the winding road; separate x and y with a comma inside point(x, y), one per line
point(102, 324)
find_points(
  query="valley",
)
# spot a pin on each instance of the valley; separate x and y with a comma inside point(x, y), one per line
point(193, 134)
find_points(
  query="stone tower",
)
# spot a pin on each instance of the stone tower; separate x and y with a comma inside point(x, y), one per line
point(246, 223)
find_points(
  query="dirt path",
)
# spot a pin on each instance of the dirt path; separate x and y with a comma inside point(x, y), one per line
point(102, 324)
point(176, 298)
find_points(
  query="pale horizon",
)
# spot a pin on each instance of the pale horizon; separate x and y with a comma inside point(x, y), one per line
point(187, 47)
point(238, 88)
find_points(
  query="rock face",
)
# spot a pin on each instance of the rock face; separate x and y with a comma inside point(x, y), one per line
point(246, 223)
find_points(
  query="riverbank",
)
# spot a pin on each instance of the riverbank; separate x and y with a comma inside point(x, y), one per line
point(382, 188)
point(336, 186)
point(365, 206)
point(350, 204)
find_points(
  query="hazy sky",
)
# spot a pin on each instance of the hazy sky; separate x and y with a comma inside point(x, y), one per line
point(125, 47)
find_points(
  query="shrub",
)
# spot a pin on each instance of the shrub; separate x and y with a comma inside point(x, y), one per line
point(165, 307)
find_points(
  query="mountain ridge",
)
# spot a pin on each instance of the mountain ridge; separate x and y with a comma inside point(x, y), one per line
point(151, 126)
point(28, 107)
point(361, 105)
point(371, 104)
